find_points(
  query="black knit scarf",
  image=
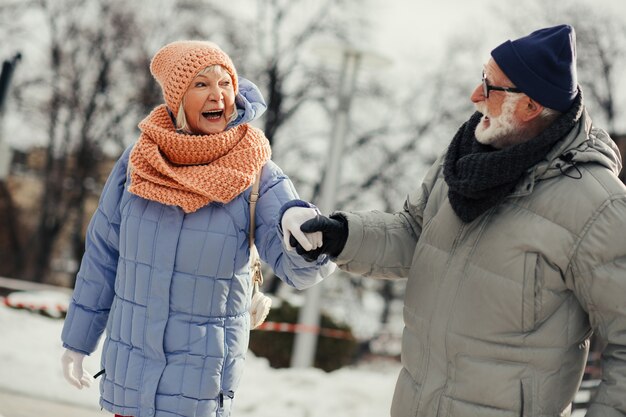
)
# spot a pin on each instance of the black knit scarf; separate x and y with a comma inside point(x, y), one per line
point(480, 177)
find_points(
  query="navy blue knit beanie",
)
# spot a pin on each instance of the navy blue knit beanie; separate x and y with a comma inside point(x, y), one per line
point(542, 65)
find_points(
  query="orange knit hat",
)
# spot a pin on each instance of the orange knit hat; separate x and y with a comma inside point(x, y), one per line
point(176, 64)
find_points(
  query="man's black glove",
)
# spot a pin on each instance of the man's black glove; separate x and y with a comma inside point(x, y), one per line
point(334, 236)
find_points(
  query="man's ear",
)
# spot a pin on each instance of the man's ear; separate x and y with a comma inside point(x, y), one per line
point(530, 109)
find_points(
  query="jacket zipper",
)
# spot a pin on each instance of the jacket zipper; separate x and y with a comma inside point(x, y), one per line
point(521, 386)
point(220, 400)
point(455, 244)
point(583, 342)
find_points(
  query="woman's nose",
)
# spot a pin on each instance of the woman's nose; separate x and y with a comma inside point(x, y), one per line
point(214, 94)
point(477, 94)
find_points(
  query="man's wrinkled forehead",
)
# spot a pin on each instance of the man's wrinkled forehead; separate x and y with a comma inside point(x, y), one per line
point(494, 73)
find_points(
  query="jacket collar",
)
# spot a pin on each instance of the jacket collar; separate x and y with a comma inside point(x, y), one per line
point(583, 144)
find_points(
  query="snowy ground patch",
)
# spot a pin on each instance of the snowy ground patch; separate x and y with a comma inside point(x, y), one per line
point(30, 352)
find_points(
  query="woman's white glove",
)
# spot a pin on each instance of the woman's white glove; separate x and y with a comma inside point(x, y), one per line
point(291, 222)
point(73, 371)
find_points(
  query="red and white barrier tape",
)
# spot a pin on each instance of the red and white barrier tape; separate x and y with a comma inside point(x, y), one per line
point(273, 326)
point(32, 306)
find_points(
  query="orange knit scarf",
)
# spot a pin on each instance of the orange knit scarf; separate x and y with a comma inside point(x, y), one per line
point(191, 171)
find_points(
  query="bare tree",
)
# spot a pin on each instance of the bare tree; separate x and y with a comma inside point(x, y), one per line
point(278, 52)
point(85, 88)
point(10, 247)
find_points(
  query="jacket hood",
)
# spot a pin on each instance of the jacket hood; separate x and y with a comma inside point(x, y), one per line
point(583, 144)
point(250, 103)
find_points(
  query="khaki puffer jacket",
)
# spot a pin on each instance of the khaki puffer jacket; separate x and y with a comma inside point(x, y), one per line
point(498, 312)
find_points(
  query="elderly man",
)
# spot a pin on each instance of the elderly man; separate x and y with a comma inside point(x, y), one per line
point(514, 248)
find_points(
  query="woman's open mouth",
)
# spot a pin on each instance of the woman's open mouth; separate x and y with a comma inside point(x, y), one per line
point(213, 114)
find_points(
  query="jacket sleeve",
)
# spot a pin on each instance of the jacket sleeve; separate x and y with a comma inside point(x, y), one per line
point(383, 244)
point(275, 191)
point(93, 293)
point(598, 278)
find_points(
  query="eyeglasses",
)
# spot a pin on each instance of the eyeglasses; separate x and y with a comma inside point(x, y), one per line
point(487, 88)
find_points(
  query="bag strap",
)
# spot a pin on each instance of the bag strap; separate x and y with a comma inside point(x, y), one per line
point(254, 253)
point(254, 196)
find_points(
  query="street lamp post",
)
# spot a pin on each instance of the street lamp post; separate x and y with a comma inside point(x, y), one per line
point(305, 342)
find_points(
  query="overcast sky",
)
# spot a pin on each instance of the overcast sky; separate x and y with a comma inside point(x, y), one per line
point(411, 30)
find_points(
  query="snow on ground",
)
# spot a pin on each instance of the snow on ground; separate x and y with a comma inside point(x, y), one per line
point(30, 352)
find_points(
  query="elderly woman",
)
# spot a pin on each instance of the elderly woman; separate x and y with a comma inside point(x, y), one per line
point(166, 266)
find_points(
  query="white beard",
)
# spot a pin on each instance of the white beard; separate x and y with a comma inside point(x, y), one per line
point(503, 129)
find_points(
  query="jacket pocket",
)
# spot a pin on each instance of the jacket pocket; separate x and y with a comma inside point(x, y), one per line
point(453, 407)
point(224, 403)
point(529, 291)
point(485, 386)
point(526, 397)
point(413, 351)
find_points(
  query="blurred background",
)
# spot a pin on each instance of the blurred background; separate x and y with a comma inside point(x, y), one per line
point(390, 80)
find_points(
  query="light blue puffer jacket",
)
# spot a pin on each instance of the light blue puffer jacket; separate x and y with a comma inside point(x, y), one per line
point(173, 291)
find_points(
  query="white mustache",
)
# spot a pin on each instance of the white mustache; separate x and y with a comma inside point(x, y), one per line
point(481, 108)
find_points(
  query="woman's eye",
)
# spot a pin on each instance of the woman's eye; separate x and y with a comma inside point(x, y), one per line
point(225, 83)
point(200, 84)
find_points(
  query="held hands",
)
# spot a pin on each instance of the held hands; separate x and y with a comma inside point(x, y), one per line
point(335, 234)
point(291, 222)
point(73, 371)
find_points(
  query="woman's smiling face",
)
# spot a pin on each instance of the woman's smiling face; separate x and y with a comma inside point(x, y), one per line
point(209, 101)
